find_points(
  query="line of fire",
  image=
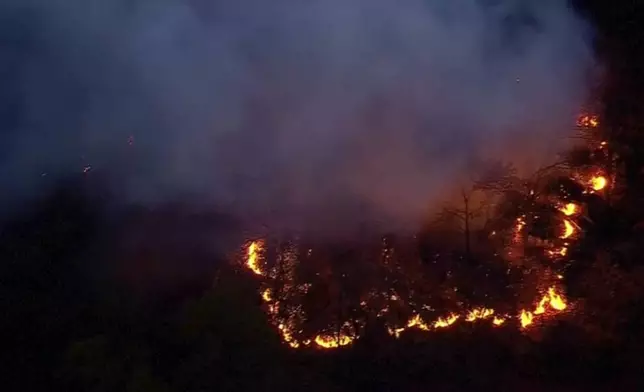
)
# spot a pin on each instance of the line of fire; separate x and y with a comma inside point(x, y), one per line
point(314, 302)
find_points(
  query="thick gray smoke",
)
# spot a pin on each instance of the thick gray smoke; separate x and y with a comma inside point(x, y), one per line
point(288, 110)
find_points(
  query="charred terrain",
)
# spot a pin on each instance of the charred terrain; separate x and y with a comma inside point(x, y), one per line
point(529, 281)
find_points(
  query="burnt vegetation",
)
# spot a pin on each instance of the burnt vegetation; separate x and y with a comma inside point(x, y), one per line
point(102, 299)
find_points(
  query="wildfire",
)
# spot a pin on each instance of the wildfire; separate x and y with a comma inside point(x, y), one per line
point(519, 227)
point(541, 307)
point(253, 257)
point(555, 301)
point(550, 303)
point(288, 318)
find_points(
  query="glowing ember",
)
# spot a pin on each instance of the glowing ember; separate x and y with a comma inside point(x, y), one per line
point(569, 209)
point(253, 257)
point(569, 229)
point(598, 183)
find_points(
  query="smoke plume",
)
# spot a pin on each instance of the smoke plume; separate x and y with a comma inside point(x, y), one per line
point(291, 111)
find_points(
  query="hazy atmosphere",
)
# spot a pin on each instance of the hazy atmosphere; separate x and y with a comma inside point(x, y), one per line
point(297, 108)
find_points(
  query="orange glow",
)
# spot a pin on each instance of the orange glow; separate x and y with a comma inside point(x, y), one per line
point(253, 257)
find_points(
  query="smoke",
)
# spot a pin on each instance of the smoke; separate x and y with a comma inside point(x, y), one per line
point(289, 111)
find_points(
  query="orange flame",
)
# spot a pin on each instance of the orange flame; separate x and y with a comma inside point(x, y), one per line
point(551, 302)
point(498, 321)
point(266, 295)
point(598, 183)
point(253, 257)
point(519, 226)
point(526, 318)
point(288, 336)
point(568, 230)
point(541, 307)
point(326, 341)
point(560, 252)
point(556, 301)
point(443, 323)
point(479, 314)
point(569, 209)
point(417, 322)
point(588, 121)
